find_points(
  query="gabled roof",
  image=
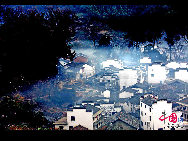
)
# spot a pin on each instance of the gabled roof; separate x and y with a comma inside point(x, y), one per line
point(184, 101)
point(79, 127)
point(178, 69)
point(134, 99)
point(91, 108)
point(129, 89)
point(80, 59)
point(175, 82)
point(62, 121)
point(157, 63)
point(128, 126)
point(140, 85)
point(149, 101)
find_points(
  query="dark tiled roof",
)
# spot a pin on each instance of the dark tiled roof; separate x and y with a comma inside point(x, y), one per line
point(80, 127)
point(80, 59)
point(184, 101)
point(181, 69)
point(140, 85)
point(129, 89)
point(134, 99)
point(88, 101)
point(124, 123)
point(175, 105)
point(92, 108)
point(148, 101)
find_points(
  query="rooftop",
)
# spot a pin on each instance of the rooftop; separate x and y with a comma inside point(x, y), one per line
point(129, 89)
point(184, 101)
point(120, 125)
point(157, 63)
point(88, 107)
point(134, 99)
point(80, 127)
point(149, 100)
point(62, 120)
point(91, 108)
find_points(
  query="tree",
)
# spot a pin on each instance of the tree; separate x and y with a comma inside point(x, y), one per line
point(16, 110)
point(104, 40)
point(31, 44)
point(93, 33)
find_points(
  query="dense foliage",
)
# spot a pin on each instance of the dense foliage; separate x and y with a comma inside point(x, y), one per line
point(31, 43)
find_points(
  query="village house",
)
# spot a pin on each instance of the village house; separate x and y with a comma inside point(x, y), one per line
point(177, 71)
point(127, 77)
point(183, 107)
point(87, 71)
point(108, 63)
point(106, 94)
point(76, 69)
point(109, 108)
point(131, 105)
point(157, 114)
point(157, 73)
point(182, 74)
point(127, 92)
point(86, 116)
point(120, 125)
point(110, 80)
point(143, 69)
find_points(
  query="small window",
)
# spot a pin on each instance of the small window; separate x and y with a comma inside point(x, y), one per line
point(145, 106)
point(61, 127)
point(141, 123)
point(150, 109)
point(70, 127)
point(141, 104)
point(152, 75)
point(150, 118)
point(145, 113)
point(72, 118)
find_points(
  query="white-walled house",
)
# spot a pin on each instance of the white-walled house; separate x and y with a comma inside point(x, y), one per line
point(106, 93)
point(145, 60)
point(183, 65)
point(127, 77)
point(86, 116)
point(130, 105)
point(143, 69)
point(87, 71)
point(156, 114)
point(184, 109)
point(157, 73)
point(182, 74)
point(116, 63)
point(173, 65)
point(126, 94)
point(108, 109)
point(79, 116)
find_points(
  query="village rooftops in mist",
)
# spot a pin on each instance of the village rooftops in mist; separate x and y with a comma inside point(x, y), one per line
point(87, 107)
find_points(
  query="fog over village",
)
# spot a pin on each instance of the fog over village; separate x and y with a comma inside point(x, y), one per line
point(88, 67)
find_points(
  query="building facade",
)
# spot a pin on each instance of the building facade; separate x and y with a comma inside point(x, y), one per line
point(127, 77)
point(158, 115)
point(182, 74)
point(157, 73)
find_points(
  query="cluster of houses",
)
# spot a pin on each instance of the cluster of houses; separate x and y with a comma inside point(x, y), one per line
point(128, 89)
point(88, 115)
